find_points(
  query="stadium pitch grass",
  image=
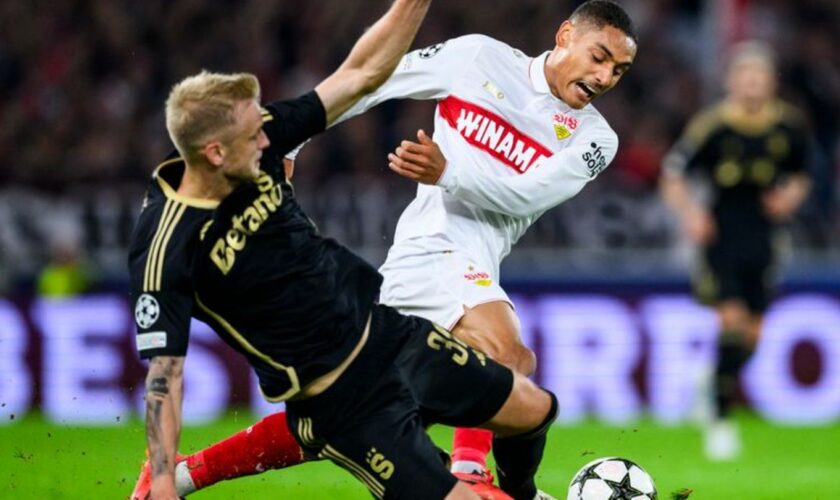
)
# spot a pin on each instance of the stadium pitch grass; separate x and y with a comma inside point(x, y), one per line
point(45, 460)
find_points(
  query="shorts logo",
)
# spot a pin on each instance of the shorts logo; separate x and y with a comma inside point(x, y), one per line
point(479, 278)
point(594, 159)
point(431, 50)
point(379, 464)
point(564, 125)
point(146, 311)
point(151, 340)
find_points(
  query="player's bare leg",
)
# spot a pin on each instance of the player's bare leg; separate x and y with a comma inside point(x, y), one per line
point(738, 335)
point(494, 329)
point(267, 444)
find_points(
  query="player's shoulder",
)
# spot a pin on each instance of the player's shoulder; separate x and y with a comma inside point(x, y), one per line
point(706, 122)
point(594, 124)
point(790, 115)
point(473, 42)
point(166, 230)
point(489, 44)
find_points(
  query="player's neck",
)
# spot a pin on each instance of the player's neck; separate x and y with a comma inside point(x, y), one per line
point(752, 108)
point(200, 183)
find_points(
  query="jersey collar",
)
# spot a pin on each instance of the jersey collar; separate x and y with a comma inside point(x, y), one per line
point(172, 193)
point(537, 73)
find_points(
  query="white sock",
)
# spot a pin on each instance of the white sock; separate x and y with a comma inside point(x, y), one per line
point(183, 481)
point(467, 467)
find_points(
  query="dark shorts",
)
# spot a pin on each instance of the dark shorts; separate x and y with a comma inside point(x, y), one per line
point(372, 420)
point(728, 275)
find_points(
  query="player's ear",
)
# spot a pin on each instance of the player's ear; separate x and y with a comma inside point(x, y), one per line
point(564, 34)
point(214, 151)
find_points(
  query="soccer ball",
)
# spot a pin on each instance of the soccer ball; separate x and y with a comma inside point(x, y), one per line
point(612, 478)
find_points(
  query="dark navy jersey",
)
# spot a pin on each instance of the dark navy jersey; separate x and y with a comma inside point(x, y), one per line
point(742, 159)
point(295, 303)
point(160, 261)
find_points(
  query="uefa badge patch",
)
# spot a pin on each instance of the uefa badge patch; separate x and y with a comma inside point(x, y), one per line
point(146, 311)
point(431, 50)
point(564, 125)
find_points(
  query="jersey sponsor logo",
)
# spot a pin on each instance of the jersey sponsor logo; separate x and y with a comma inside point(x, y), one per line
point(490, 132)
point(564, 125)
point(431, 50)
point(151, 340)
point(223, 253)
point(594, 159)
point(146, 311)
point(266, 115)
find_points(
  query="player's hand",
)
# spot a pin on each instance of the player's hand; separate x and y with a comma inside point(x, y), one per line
point(777, 206)
point(701, 227)
point(421, 161)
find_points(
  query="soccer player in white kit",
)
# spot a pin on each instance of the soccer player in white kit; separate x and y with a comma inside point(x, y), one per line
point(514, 136)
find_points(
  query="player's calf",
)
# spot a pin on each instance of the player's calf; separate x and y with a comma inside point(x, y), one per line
point(520, 427)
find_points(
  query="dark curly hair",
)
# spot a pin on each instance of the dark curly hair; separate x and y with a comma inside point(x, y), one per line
point(605, 13)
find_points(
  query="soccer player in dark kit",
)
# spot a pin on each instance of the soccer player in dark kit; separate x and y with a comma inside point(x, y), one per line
point(222, 223)
point(751, 149)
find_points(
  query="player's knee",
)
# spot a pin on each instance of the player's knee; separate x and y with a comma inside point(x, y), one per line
point(548, 408)
point(527, 364)
point(527, 410)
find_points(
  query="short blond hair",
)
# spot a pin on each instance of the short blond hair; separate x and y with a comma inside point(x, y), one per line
point(202, 105)
point(749, 51)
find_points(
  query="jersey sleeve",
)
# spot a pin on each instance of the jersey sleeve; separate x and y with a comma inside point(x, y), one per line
point(692, 148)
point(290, 123)
point(162, 318)
point(547, 184)
point(160, 288)
point(800, 144)
point(423, 74)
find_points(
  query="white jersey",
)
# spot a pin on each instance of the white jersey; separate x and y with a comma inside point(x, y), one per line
point(513, 149)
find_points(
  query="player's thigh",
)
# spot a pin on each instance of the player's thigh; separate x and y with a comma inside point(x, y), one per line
point(452, 383)
point(393, 456)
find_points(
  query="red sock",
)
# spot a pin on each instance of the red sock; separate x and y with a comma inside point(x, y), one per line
point(471, 445)
point(268, 444)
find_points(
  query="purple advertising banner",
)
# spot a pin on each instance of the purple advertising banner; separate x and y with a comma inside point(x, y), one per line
point(613, 357)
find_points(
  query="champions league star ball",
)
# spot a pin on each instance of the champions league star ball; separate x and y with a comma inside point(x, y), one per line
point(612, 478)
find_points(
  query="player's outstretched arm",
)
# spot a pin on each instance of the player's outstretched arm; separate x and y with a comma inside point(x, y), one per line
point(164, 393)
point(542, 187)
point(373, 58)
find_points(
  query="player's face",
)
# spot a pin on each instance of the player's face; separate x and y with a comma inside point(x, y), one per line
point(587, 62)
point(244, 149)
point(751, 81)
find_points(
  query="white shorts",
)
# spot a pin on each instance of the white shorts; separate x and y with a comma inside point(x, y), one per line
point(437, 285)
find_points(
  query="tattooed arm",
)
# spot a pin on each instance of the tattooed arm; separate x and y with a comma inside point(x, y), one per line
point(164, 392)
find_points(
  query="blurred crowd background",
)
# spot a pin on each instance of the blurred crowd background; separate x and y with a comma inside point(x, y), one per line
point(82, 86)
